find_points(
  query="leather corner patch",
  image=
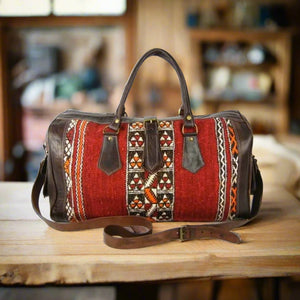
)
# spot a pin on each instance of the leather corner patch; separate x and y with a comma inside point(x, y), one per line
point(109, 161)
point(192, 159)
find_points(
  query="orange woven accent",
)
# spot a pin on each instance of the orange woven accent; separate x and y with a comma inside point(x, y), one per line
point(233, 200)
point(233, 142)
point(150, 196)
point(66, 166)
point(78, 168)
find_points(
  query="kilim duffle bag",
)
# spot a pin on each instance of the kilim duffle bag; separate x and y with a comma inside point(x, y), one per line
point(122, 173)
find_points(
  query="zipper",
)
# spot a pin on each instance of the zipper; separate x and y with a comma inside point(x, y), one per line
point(96, 117)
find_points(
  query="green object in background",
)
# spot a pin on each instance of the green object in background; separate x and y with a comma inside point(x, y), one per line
point(67, 85)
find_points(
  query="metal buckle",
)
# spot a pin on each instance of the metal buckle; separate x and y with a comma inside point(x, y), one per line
point(189, 133)
point(150, 119)
point(182, 233)
point(110, 132)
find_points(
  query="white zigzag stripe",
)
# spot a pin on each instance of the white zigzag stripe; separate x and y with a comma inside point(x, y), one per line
point(222, 168)
point(69, 145)
point(150, 179)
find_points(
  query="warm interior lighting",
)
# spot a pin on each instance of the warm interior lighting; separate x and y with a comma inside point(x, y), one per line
point(89, 7)
point(18, 8)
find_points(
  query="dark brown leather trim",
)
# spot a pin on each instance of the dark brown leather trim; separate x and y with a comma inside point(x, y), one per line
point(153, 159)
point(51, 188)
point(192, 159)
point(109, 161)
point(245, 139)
point(107, 118)
point(57, 184)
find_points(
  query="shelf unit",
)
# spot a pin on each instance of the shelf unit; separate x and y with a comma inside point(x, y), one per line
point(272, 110)
point(10, 113)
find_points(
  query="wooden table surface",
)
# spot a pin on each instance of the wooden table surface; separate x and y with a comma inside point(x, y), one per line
point(33, 254)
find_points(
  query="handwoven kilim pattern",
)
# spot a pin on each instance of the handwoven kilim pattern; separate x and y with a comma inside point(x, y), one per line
point(74, 149)
point(211, 194)
point(150, 195)
point(68, 150)
point(79, 166)
point(234, 166)
point(220, 135)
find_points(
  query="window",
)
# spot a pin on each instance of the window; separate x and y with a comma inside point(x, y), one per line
point(17, 8)
point(88, 7)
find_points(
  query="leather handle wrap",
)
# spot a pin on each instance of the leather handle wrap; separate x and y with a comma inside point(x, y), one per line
point(187, 112)
point(129, 232)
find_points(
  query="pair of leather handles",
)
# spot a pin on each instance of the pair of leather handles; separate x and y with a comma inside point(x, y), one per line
point(188, 118)
point(109, 160)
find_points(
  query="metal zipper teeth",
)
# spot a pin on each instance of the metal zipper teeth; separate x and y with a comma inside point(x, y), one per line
point(71, 114)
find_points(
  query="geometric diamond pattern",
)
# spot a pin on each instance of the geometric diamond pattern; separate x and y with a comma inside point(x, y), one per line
point(135, 161)
point(150, 195)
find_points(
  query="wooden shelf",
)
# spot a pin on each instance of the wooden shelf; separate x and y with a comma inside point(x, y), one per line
point(247, 35)
point(272, 108)
point(239, 66)
point(217, 101)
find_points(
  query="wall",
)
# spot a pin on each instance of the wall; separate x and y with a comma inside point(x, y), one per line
point(161, 24)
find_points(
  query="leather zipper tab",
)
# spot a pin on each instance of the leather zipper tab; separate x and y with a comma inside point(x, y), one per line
point(153, 159)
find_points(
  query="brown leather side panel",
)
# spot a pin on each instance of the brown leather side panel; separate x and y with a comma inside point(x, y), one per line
point(55, 171)
point(245, 141)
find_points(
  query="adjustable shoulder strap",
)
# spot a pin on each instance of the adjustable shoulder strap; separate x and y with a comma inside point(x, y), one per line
point(128, 232)
point(88, 224)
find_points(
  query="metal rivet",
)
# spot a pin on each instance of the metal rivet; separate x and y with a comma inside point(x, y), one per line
point(117, 121)
point(188, 117)
point(109, 138)
point(191, 138)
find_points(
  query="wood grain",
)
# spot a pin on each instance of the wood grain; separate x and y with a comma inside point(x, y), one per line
point(31, 253)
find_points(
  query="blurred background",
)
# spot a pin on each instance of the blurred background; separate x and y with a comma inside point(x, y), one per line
point(74, 54)
point(61, 54)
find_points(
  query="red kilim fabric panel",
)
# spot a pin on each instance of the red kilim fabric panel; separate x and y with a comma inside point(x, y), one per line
point(196, 195)
point(93, 193)
point(172, 193)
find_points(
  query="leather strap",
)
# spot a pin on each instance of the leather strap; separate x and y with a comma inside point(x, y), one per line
point(128, 232)
point(186, 107)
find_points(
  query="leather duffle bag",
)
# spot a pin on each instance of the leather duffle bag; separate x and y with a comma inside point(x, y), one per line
point(123, 173)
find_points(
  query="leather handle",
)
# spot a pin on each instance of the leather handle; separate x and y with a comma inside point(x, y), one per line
point(187, 112)
point(129, 232)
